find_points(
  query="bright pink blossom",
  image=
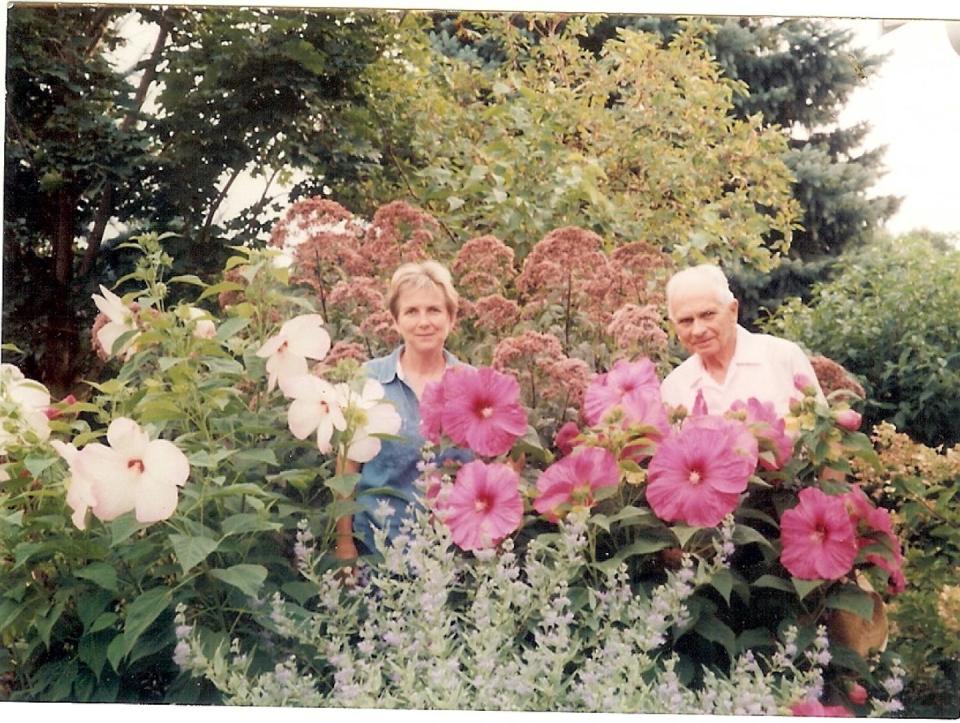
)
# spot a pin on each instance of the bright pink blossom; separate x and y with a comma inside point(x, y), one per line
point(770, 430)
point(609, 390)
point(483, 506)
point(482, 410)
point(574, 480)
point(849, 419)
point(811, 707)
point(431, 410)
point(565, 438)
point(857, 694)
point(802, 383)
point(697, 474)
point(818, 538)
point(877, 527)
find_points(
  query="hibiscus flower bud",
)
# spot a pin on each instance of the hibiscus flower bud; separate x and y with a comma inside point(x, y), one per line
point(802, 383)
point(849, 419)
point(857, 694)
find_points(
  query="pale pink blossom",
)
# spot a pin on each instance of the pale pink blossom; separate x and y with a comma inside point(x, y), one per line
point(849, 419)
point(626, 378)
point(120, 320)
point(638, 328)
point(368, 415)
point(802, 383)
point(817, 537)
point(80, 495)
point(299, 339)
point(762, 420)
point(574, 481)
point(482, 410)
point(488, 253)
point(30, 400)
point(432, 407)
point(204, 327)
point(132, 474)
point(315, 408)
point(697, 475)
point(483, 506)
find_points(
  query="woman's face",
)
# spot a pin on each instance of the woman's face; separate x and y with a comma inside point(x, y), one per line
point(422, 319)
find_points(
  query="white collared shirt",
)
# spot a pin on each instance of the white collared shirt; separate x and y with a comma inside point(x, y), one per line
point(762, 366)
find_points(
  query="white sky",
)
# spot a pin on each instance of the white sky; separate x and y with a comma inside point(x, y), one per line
point(913, 107)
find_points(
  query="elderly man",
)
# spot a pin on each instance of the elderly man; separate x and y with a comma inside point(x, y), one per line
point(726, 361)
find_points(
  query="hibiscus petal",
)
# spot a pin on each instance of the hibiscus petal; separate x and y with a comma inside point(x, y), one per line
point(156, 497)
point(164, 460)
point(112, 481)
point(363, 449)
point(303, 417)
point(127, 438)
point(313, 344)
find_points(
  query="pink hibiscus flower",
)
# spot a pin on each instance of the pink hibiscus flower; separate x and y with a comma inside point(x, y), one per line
point(607, 391)
point(483, 506)
point(482, 410)
point(431, 410)
point(574, 480)
point(811, 707)
point(761, 419)
point(697, 474)
point(566, 437)
point(878, 526)
point(817, 537)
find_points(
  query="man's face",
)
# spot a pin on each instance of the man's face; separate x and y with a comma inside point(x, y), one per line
point(704, 325)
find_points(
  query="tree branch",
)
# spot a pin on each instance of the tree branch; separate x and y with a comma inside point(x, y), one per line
point(105, 209)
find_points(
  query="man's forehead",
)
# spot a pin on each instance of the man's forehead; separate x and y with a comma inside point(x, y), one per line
point(690, 304)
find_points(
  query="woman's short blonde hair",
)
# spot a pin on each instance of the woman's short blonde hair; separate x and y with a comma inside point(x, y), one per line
point(422, 275)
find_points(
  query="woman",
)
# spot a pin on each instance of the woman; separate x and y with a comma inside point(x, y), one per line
point(423, 303)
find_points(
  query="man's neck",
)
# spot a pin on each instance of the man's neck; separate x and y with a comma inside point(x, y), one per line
point(718, 365)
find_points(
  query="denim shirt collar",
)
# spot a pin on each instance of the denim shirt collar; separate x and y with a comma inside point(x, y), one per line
point(384, 369)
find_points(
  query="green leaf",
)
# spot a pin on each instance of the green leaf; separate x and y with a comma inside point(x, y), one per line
point(248, 522)
point(772, 581)
point(115, 652)
point(300, 591)
point(103, 621)
point(188, 279)
point(141, 613)
point(223, 365)
point(722, 582)
point(744, 535)
point(246, 578)
point(805, 587)
point(217, 289)
point(643, 546)
point(343, 484)
point(191, 550)
point(100, 573)
point(45, 624)
point(36, 464)
point(255, 455)
point(712, 629)
point(122, 528)
point(92, 651)
point(230, 327)
point(683, 533)
point(853, 600)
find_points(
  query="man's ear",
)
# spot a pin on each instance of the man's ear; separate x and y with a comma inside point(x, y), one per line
point(735, 308)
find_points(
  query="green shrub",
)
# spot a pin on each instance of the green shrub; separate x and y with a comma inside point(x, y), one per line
point(890, 316)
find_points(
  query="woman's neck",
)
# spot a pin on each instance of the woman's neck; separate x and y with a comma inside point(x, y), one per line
point(423, 365)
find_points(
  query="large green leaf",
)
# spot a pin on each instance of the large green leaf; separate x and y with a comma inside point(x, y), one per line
point(144, 609)
point(191, 550)
point(101, 573)
point(246, 578)
point(852, 600)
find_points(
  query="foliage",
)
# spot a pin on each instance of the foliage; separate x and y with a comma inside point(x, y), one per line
point(522, 633)
point(921, 483)
point(636, 143)
point(86, 615)
point(263, 92)
point(889, 316)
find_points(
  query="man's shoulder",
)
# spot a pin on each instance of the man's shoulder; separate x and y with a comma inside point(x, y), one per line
point(684, 373)
point(776, 345)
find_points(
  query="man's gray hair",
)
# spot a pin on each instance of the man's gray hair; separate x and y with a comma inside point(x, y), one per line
point(699, 278)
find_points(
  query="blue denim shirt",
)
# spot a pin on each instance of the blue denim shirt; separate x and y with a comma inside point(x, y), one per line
point(395, 466)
